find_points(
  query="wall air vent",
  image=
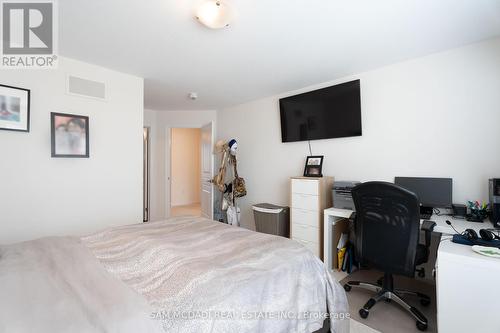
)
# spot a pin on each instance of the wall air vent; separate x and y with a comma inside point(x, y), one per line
point(86, 88)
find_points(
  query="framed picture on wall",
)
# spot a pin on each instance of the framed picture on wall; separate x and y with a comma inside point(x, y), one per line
point(14, 109)
point(314, 166)
point(70, 135)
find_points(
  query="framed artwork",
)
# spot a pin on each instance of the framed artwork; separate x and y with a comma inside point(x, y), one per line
point(70, 135)
point(314, 166)
point(14, 109)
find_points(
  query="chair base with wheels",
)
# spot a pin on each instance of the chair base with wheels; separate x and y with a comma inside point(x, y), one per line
point(387, 293)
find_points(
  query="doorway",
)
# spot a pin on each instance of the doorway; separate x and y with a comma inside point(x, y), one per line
point(186, 166)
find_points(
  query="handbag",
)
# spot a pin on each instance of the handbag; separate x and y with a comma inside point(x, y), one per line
point(239, 186)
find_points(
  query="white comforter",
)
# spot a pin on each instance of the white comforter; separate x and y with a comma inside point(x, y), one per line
point(206, 277)
point(56, 285)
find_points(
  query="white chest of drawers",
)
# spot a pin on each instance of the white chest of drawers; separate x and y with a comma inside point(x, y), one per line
point(308, 198)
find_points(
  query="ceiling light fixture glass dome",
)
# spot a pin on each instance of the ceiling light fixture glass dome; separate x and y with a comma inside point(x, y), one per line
point(215, 14)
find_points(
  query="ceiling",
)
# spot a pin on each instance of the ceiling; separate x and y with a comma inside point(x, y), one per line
point(273, 46)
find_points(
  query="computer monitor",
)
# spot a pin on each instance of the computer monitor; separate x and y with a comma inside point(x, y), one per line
point(432, 192)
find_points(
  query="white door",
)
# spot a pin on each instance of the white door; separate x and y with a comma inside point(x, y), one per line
point(207, 162)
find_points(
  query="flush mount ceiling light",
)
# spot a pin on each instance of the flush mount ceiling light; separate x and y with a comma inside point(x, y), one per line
point(214, 14)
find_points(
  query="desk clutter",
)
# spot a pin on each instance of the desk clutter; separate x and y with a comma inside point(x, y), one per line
point(435, 194)
point(487, 251)
point(478, 211)
point(345, 255)
point(486, 237)
point(467, 240)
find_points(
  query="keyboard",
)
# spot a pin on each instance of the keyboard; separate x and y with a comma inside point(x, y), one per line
point(425, 216)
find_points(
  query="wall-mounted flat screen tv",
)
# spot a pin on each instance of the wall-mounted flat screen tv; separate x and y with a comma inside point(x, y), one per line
point(332, 112)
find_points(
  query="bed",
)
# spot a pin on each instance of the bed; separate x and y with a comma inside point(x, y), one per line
point(180, 275)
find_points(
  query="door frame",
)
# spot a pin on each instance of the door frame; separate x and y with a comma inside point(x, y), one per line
point(146, 174)
point(168, 161)
point(212, 168)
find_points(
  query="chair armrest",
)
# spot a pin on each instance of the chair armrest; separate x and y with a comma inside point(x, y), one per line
point(428, 227)
point(352, 218)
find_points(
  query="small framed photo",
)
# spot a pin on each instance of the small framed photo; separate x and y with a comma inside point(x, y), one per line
point(70, 135)
point(314, 166)
point(14, 109)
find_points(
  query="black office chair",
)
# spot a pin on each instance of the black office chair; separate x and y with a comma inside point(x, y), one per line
point(386, 232)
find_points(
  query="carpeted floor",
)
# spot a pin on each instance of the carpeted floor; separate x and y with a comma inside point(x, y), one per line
point(390, 317)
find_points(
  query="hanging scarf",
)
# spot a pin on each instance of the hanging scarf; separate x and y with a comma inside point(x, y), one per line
point(219, 178)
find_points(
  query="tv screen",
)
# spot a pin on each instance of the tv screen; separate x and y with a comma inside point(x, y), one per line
point(332, 112)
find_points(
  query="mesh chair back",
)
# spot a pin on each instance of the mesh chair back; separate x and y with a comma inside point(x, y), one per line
point(387, 227)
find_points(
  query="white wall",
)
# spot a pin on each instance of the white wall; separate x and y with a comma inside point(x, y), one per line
point(186, 166)
point(161, 122)
point(434, 116)
point(42, 196)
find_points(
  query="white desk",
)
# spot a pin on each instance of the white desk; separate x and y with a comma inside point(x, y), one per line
point(468, 299)
point(331, 234)
point(467, 294)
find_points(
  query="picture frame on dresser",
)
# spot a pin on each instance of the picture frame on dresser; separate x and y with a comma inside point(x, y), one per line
point(14, 108)
point(314, 166)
